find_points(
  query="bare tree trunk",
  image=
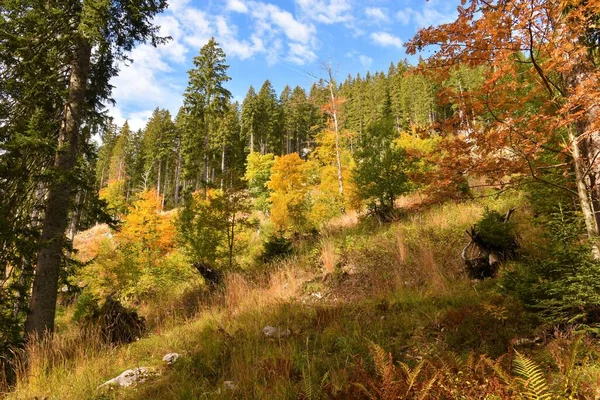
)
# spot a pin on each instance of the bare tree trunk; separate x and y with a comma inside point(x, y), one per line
point(165, 186)
point(101, 180)
point(177, 173)
point(251, 139)
point(158, 188)
point(585, 199)
point(222, 165)
point(231, 240)
point(75, 216)
point(338, 157)
point(42, 306)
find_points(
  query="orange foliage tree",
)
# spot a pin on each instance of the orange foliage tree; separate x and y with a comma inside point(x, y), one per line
point(141, 260)
point(540, 92)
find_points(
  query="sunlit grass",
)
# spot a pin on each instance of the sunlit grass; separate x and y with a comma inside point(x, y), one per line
point(400, 286)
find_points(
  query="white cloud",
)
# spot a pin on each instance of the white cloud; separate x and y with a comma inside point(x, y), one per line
point(326, 11)
point(237, 6)
point(385, 39)
point(276, 34)
point(432, 13)
point(197, 27)
point(404, 16)
point(284, 21)
point(365, 61)
point(227, 36)
point(136, 120)
point(301, 54)
point(272, 26)
point(176, 5)
point(376, 14)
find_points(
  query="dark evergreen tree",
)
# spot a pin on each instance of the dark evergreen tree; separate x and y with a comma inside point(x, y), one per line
point(206, 100)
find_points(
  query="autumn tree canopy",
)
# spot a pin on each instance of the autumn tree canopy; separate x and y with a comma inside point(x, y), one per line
point(539, 95)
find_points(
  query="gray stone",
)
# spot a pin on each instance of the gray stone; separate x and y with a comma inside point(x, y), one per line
point(171, 358)
point(273, 332)
point(129, 377)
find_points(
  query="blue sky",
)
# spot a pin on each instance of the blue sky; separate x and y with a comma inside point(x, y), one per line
point(285, 41)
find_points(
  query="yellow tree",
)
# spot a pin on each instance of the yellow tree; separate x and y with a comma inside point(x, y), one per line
point(145, 227)
point(289, 188)
point(326, 200)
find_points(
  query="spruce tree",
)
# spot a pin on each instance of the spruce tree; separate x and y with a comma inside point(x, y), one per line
point(206, 98)
point(65, 52)
point(250, 118)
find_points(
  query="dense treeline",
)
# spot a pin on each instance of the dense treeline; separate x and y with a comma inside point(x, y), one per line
point(196, 148)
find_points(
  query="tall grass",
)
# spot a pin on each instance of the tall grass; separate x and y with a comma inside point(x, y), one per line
point(406, 292)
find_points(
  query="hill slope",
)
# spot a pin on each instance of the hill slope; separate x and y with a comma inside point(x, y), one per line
point(366, 312)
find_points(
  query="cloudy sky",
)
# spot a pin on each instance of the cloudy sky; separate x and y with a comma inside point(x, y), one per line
point(284, 41)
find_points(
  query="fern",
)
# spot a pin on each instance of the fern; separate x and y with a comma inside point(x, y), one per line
point(384, 366)
point(411, 375)
point(531, 378)
point(427, 387)
point(310, 389)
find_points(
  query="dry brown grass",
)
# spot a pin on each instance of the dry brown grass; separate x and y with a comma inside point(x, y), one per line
point(345, 221)
point(284, 283)
point(412, 201)
point(329, 257)
point(87, 243)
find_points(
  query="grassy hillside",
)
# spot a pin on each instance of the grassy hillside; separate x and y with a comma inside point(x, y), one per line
point(372, 312)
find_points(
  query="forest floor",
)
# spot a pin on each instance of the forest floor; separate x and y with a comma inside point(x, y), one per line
point(364, 311)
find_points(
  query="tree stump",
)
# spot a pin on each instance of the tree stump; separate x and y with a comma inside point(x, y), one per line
point(481, 259)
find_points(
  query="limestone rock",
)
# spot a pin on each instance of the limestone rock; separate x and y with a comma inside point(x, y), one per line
point(171, 358)
point(129, 377)
point(274, 332)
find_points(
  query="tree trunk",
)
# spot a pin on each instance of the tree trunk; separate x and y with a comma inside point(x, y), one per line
point(165, 186)
point(158, 178)
point(585, 199)
point(338, 157)
point(177, 174)
point(231, 241)
point(75, 217)
point(42, 305)
point(222, 166)
point(206, 163)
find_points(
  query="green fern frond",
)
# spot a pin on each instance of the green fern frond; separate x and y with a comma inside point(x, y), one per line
point(310, 389)
point(531, 377)
point(470, 362)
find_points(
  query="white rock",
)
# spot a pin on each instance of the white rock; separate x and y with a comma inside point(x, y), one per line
point(273, 332)
point(171, 358)
point(317, 295)
point(229, 385)
point(129, 377)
